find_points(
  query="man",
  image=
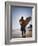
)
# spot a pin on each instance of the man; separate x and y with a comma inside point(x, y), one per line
point(22, 26)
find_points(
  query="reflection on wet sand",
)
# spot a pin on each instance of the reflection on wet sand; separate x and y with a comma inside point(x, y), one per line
point(18, 34)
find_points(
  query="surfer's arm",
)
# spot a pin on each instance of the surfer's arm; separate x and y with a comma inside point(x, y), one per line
point(20, 21)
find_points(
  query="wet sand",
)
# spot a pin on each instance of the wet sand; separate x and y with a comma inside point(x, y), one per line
point(18, 34)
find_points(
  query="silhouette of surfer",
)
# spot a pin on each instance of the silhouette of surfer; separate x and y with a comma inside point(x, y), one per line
point(23, 24)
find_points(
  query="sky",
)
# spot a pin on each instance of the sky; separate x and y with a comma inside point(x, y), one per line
point(17, 13)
